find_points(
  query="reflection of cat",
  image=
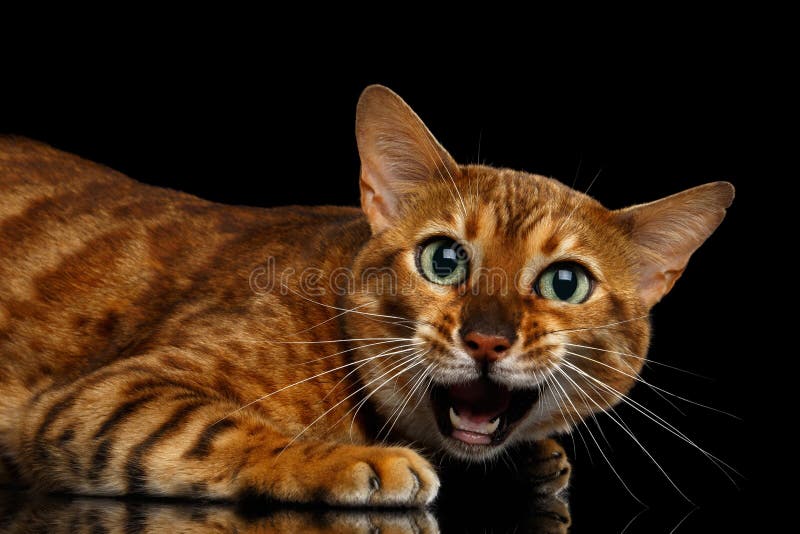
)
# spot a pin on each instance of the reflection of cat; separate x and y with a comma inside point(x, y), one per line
point(54, 514)
point(77, 515)
point(137, 357)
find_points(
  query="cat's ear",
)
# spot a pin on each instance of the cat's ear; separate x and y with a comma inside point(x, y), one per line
point(669, 230)
point(397, 153)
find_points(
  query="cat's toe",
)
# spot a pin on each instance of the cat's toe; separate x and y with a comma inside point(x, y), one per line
point(405, 479)
point(385, 477)
point(548, 467)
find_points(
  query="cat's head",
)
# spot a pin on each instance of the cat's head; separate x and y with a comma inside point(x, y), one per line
point(497, 306)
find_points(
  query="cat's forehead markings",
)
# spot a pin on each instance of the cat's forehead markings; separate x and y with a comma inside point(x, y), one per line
point(433, 228)
point(556, 245)
point(546, 243)
point(552, 244)
point(548, 247)
point(472, 224)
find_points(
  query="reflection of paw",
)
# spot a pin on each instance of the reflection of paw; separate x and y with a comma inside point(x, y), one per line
point(55, 515)
point(410, 522)
point(548, 467)
point(550, 516)
point(380, 476)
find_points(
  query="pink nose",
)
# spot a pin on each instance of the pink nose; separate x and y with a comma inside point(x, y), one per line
point(486, 347)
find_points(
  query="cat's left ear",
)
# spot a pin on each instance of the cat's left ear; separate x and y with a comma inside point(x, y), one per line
point(398, 153)
point(668, 231)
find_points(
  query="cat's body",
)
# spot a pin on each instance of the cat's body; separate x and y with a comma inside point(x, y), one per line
point(138, 325)
point(67, 237)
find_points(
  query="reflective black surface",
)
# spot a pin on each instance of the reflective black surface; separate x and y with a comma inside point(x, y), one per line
point(474, 510)
point(24, 512)
point(267, 130)
point(75, 515)
point(480, 500)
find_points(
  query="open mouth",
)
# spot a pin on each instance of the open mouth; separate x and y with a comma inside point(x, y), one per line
point(480, 412)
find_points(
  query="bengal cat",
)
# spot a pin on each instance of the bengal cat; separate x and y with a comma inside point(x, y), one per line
point(155, 343)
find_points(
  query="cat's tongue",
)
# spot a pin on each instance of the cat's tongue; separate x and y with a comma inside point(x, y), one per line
point(475, 408)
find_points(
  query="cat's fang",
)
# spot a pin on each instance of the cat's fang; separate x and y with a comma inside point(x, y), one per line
point(455, 420)
point(485, 428)
point(492, 425)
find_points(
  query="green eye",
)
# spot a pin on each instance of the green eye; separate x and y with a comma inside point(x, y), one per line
point(443, 261)
point(566, 282)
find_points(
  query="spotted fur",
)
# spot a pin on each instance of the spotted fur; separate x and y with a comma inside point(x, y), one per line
point(140, 352)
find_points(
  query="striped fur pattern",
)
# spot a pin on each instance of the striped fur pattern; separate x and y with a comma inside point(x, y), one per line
point(57, 514)
point(139, 355)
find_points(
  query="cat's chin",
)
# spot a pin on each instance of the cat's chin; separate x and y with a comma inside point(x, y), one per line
point(477, 417)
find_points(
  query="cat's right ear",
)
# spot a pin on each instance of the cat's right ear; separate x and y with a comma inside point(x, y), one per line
point(397, 152)
point(668, 231)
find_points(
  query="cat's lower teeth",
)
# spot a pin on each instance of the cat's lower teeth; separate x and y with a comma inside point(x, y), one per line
point(461, 423)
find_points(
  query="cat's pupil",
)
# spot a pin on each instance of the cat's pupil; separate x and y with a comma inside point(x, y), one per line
point(445, 260)
point(565, 283)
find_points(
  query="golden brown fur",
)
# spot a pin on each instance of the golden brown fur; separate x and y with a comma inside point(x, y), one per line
point(56, 514)
point(137, 328)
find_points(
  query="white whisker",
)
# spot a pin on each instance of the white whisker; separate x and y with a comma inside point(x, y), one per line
point(624, 530)
point(363, 401)
point(416, 356)
point(580, 200)
point(284, 388)
point(641, 446)
point(656, 388)
point(352, 349)
point(584, 396)
point(329, 319)
point(609, 325)
point(427, 387)
point(690, 512)
point(420, 374)
point(655, 418)
point(660, 395)
point(342, 340)
point(346, 310)
point(575, 424)
point(599, 448)
point(407, 399)
point(432, 147)
point(636, 356)
point(388, 352)
point(558, 400)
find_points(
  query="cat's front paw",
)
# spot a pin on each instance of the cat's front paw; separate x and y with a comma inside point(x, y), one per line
point(548, 467)
point(382, 476)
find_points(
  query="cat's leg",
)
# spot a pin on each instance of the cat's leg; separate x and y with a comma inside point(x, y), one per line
point(127, 430)
point(547, 467)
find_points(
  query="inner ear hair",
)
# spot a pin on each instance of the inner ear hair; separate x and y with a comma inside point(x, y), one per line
point(398, 154)
point(668, 231)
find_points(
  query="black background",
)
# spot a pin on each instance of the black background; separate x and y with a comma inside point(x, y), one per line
point(267, 129)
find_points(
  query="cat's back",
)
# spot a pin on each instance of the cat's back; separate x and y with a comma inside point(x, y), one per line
point(53, 198)
point(91, 260)
point(32, 172)
point(71, 226)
